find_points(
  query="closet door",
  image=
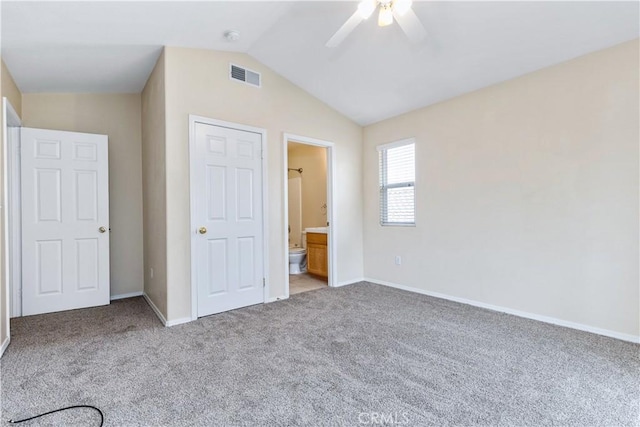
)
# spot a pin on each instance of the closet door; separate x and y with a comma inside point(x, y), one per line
point(227, 219)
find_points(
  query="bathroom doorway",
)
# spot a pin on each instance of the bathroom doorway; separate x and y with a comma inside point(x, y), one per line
point(309, 222)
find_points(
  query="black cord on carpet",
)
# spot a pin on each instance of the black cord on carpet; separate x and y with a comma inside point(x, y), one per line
point(60, 410)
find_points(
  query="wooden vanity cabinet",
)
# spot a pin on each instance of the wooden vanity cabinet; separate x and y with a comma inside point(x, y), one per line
point(317, 254)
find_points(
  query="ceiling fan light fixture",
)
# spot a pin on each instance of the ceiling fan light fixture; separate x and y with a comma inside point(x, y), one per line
point(402, 6)
point(386, 16)
point(366, 8)
point(390, 10)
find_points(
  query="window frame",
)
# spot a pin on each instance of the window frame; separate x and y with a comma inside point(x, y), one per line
point(383, 188)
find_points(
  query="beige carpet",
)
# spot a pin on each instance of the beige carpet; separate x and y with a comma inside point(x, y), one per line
point(329, 357)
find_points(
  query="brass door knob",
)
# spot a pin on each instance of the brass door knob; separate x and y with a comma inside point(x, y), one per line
point(102, 229)
point(202, 230)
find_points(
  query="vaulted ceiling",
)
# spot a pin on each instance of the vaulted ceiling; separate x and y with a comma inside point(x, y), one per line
point(375, 74)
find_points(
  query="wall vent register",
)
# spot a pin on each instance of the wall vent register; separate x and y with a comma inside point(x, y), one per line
point(244, 75)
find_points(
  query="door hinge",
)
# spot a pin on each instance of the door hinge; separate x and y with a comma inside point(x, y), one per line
point(264, 282)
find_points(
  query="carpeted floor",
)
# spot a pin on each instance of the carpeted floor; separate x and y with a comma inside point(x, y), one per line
point(357, 355)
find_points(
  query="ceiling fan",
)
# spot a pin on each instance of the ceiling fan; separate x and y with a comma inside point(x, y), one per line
point(389, 9)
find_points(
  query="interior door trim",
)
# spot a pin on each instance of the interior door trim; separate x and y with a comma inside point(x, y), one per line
point(11, 291)
point(193, 120)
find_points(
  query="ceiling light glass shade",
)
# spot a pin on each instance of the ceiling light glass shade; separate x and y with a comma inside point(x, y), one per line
point(366, 8)
point(401, 6)
point(386, 17)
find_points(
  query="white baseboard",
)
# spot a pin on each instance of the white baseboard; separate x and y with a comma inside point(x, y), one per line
point(129, 295)
point(527, 315)
point(155, 309)
point(348, 282)
point(177, 321)
point(4, 345)
point(165, 322)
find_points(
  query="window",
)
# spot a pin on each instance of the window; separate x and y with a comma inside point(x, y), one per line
point(397, 182)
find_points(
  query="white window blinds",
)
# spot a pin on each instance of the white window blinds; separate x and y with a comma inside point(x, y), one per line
point(397, 182)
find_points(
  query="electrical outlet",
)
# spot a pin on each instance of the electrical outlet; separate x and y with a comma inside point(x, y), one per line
point(398, 260)
point(151, 272)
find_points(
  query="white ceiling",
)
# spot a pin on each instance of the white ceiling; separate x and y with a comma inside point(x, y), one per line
point(375, 74)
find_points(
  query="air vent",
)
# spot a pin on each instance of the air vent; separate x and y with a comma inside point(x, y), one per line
point(244, 75)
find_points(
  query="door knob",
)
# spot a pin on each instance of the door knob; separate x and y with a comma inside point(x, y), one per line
point(102, 229)
point(202, 230)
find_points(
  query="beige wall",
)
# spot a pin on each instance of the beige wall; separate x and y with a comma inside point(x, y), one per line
point(313, 161)
point(8, 89)
point(197, 82)
point(154, 184)
point(527, 194)
point(118, 116)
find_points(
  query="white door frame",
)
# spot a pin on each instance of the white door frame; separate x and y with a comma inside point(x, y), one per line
point(331, 218)
point(193, 119)
point(11, 214)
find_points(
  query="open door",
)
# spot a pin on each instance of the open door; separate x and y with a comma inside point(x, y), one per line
point(65, 220)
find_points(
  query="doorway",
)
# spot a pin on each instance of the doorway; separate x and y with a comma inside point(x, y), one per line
point(309, 218)
point(58, 224)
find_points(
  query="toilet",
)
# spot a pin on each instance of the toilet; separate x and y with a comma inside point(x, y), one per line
point(298, 257)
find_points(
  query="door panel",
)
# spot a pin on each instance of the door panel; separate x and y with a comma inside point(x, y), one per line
point(48, 195)
point(86, 195)
point(65, 201)
point(49, 267)
point(217, 266)
point(246, 262)
point(216, 192)
point(227, 185)
point(87, 258)
point(244, 194)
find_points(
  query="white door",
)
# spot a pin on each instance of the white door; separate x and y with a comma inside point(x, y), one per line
point(227, 218)
point(65, 220)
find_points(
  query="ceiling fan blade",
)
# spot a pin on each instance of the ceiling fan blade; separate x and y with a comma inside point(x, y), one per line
point(344, 31)
point(411, 26)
